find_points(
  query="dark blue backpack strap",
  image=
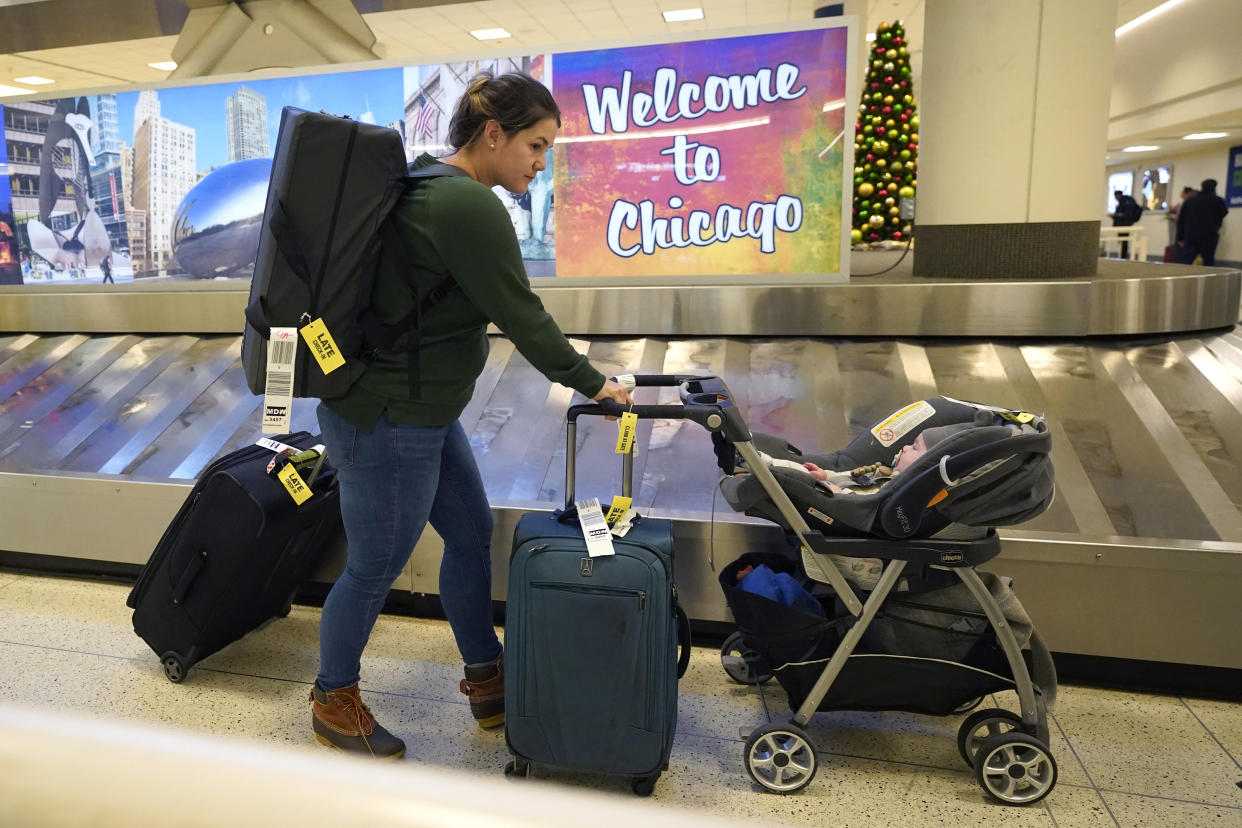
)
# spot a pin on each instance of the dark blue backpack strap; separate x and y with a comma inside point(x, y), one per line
point(398, 250)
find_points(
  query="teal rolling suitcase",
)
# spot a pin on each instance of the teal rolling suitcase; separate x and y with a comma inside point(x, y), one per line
point(591, 648)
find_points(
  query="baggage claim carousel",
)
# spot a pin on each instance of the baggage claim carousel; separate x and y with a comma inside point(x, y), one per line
point(103, 430)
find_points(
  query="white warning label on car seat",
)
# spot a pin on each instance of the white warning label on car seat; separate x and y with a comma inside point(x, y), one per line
point(900, 423)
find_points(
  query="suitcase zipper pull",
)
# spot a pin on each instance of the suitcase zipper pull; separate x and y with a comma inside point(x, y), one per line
point(642, 600)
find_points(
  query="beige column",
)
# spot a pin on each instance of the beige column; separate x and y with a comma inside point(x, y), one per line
point(1013, 130)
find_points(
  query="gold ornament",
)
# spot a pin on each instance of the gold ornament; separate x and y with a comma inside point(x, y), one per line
point(888, 100)
point(880, 162)
point(876, 221)
point(865, 189)
point(889, 202)
point(895, 220)
point(891, 54)
point(894, 211)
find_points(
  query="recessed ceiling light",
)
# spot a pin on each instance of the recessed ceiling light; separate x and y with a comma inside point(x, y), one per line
point(490, 34)
point(164, 65)
point(1140, 148)
point(6, 90)
point(34, 80)
point(682, 15)
point(1194, 136)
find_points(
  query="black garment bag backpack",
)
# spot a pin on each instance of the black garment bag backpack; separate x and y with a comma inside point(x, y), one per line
point(326, 233)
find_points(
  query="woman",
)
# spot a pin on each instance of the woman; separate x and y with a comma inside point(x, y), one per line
point(402, 457)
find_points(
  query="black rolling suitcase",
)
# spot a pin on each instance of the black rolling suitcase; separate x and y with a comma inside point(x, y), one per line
point(234, 555)
point(591, 645)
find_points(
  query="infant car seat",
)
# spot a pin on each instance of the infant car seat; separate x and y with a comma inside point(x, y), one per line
point(993, 470)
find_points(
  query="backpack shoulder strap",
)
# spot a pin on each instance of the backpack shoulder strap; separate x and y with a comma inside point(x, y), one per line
point(441, 170)
point(397, 249)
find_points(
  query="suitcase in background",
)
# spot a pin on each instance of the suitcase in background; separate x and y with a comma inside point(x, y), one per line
point(591, 657)
point(233, 557)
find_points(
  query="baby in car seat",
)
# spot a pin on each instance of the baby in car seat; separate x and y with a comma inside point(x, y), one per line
point(868, 479)
point(865, 572)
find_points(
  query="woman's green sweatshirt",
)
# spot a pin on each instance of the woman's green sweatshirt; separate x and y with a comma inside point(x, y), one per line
point(457, 226)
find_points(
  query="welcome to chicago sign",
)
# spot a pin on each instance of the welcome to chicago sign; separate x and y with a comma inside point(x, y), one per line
point(712, 157)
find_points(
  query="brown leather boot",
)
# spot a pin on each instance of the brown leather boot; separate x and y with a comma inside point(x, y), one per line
point(341, 720)
point(484, 685)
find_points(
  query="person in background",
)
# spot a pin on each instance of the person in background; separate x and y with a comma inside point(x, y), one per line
point(1198, 225)
point(402, 457)
point(1174, 209)
point(1126, 214)
point(105, 267)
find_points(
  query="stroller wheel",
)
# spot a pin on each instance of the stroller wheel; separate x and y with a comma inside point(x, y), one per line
point(981, 726)
point(1015, 768)
point(739, 662)
point(781, 758)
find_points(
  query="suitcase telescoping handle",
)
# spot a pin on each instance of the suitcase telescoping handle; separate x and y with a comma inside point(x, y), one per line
point(704, 399)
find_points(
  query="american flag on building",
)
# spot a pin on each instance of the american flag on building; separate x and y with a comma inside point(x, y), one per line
point(426, 115)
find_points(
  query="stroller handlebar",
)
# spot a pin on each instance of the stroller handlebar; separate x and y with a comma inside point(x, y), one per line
point(704, 399)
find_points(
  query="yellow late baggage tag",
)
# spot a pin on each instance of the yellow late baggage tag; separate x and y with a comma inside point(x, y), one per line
point(628, 424)
point(1020, 417)
point(620, 505)
point(294, 484)
point(322, 346)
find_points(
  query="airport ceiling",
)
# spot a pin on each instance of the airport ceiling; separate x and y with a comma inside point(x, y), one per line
point(83, 45)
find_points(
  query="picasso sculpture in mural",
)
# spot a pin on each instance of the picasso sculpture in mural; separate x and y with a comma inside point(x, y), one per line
point(84, 242)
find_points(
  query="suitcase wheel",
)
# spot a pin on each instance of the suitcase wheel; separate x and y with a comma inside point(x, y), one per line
point(174, 667)
point(517, 769)
point(644, 786)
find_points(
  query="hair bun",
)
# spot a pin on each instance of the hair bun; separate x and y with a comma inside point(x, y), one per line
point(478, 82)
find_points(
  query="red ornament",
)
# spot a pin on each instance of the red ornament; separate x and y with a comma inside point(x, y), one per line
point(888, 78)
point(879, 130)
point(875, 236)
point(897, 235)
point(875, 86)
point(870, 157)
point(886, 110)
point(912, 146)
point(897, 41)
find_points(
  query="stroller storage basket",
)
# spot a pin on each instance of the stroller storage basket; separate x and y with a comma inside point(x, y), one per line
point(795, 646)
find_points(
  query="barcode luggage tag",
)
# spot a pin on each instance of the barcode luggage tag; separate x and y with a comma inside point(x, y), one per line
point(282, 350)
point(594, 528)
point(322, 346)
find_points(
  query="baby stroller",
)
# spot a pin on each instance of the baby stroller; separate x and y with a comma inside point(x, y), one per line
point(929, 634)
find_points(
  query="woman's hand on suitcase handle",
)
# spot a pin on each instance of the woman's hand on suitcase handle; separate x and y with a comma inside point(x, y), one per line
point(616, 393)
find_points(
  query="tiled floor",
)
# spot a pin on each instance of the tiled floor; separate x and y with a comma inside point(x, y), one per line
point(1124, 759)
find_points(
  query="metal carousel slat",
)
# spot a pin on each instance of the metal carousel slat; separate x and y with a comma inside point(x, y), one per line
point(93, 406)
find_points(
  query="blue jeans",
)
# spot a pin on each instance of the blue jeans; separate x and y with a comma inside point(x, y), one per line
point(393, 480)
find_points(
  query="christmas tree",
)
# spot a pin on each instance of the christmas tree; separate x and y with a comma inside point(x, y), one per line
point(886, 141)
